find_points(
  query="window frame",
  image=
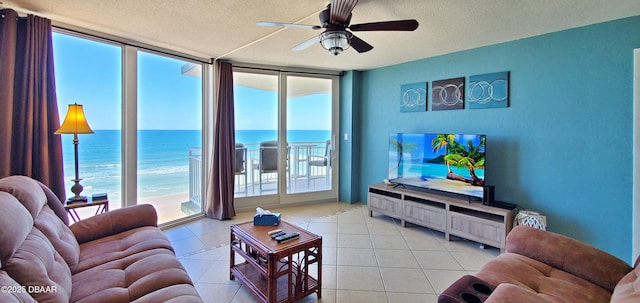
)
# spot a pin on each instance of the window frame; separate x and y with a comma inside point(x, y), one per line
point(282, 197)
point(129, 110)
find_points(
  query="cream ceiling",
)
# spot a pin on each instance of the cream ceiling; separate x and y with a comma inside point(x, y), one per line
point(226, 28)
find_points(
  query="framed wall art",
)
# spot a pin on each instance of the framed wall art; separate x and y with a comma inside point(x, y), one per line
point(413, 97)
point(488, 90)
point(447, 94)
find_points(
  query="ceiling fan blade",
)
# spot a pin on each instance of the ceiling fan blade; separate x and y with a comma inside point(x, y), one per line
point(399, 25)
point(306, 44)
point(267, 23)
point(360, 45)
point(341, 10)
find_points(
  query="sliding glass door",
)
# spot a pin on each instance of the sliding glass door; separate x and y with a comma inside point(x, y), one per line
point(309, 132)
point(257, 144)
point(284, 128)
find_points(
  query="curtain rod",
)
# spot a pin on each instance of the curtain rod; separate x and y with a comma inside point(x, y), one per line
point(2, 15)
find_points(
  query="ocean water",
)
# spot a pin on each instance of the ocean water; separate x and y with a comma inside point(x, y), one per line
point(431, 170)
point(163, 158)
point(254, 137)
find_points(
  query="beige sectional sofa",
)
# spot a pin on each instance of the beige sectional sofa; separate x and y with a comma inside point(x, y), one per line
point(119, 256)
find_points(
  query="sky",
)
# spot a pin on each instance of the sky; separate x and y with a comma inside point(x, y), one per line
point(424, 142)
point(89, 73)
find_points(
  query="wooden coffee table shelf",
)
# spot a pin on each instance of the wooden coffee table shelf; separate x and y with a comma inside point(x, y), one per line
point(276, 272)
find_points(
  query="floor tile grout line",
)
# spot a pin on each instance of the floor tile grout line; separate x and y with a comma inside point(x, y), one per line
point(359, 214)
point(384, 285)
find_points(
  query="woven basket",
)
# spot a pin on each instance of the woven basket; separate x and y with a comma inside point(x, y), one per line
point(531, 218)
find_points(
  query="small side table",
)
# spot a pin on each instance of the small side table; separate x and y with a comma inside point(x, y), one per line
point(276, 272)
point(102, 204)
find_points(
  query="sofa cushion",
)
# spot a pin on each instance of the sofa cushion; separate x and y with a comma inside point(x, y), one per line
point(27, 191)
point(137, 264)
point(36, 264)
point(60, 236)
point(123, 256)
point(567, 254)
point(34, 241)
point(118, 246)
point(15, 225)
point(541, 280)
point(181, 293)
point(509, 293)
point(25, 206)
point(11, 291)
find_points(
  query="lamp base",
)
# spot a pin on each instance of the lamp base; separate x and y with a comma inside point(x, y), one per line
point(76, 189)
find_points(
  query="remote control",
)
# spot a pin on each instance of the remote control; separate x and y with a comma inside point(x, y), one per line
point(278, 234)
point(287, 237)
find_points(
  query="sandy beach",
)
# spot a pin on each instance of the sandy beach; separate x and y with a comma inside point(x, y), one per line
point(446, 185)
point(168, 207)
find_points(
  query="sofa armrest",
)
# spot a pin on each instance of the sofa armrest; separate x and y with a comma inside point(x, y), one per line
point(567, 254)
point(466, 289)
point(114, 222)
point(509, 293)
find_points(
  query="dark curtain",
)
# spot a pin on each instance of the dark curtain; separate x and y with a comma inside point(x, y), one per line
point(219, 202)
point(28, 104)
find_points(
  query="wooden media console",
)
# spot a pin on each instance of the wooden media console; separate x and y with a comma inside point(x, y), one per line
point(454, 216)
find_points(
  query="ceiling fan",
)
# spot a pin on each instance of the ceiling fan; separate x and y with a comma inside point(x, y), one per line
point(335, 20)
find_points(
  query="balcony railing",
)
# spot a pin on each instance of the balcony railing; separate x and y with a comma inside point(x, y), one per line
point(195, 176)
point(302, 177)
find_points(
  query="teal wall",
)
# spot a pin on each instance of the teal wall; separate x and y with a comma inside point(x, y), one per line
point(350, 96)
point(563, 147)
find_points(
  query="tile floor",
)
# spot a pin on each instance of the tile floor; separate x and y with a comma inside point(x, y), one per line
point(365, 259)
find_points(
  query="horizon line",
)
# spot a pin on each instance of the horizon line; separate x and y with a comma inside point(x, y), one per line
point(196, 129)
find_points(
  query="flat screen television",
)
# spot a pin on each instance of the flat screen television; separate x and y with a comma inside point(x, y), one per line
point(453, 163)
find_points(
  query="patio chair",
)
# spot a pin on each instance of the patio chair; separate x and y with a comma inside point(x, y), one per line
point(241, 165)
point(319, 162)
point(268, 159)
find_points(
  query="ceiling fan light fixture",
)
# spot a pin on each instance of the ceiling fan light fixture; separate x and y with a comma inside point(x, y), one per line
point(335, 41)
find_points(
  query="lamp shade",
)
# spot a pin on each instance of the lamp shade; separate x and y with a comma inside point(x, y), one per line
point(75, 122)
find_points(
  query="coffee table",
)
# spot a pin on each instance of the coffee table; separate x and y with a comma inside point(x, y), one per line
point(276, 272)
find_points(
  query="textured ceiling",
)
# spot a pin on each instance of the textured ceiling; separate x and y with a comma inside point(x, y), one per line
point(226, 28)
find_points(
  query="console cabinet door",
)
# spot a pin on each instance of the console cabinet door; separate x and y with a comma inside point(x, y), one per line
point(425, 215)
point(453, 216)
point(477, 229)
point(386, 205)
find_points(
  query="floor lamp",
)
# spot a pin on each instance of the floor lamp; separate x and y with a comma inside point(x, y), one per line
point(75, 123)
